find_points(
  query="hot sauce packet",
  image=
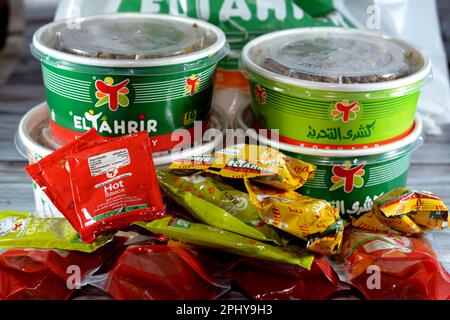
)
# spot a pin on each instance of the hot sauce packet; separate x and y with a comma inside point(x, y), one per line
point(258, 163)
point(312, 220)
point(215, 238)
point(404, 211)
point(51, 173)
point(22, 230)
point(216, 203)
point(114, 185)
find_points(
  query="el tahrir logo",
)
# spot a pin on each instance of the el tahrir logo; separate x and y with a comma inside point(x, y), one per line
point(114, 95)
point(260, 94)
point(347, 177)
point(345, 111)
point(192, 84)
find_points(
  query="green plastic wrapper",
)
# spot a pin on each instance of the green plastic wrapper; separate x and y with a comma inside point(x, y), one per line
point(22, 230)
point(217, 204)
point(214, 238)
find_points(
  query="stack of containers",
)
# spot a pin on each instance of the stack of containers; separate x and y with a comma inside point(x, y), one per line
point(342, 99)
point(120, 74)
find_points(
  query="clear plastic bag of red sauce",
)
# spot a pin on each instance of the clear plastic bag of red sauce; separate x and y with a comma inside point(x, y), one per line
point(48, 274)
point(162, 272)
point(263, 280)
point(113, 185)
point(391, 267)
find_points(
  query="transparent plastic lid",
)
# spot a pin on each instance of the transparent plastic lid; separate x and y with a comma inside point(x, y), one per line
point(126, 37)
point(336, 56)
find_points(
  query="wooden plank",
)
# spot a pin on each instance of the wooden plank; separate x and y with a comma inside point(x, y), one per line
point(432, 153)
point(19, 99)
point(28, 71)
point(13, 172)
point(17, 197)
point(10, 153)
point(435, 178)
point(15, 187)
point(8, 127)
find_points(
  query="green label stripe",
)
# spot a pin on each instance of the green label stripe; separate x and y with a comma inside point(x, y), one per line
point(296, 106)
point(377, 175)
point(319, 109)
point(387, 108)
point(360, 198)
point(79, 90)
point(387, 172)
point(319, 181)
point(119, 211)
point(67, 87)
point(170, 89)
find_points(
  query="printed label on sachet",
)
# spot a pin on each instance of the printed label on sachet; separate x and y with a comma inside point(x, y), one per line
point(108, 162)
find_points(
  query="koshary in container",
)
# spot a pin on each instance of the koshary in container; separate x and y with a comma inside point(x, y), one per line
point(123, 73)
point(349, 179)
point(35, 140)
point(334, 88)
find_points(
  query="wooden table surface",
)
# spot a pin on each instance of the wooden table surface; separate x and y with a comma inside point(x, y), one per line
point(430, 168)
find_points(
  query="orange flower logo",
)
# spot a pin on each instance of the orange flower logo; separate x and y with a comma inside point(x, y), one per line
point(345, 111)
point(192, 84)
point(347, 177)
point(114, 95)
point(260, 94)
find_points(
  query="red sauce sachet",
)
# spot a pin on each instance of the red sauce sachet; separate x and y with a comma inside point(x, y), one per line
point(113, 185)
point(51, 174)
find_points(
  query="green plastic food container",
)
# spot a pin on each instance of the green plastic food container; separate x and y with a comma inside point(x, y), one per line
point(349, 179)
point(334, 88)
point(123, 73)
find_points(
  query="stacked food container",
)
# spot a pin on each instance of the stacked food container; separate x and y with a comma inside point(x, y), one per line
point(342, 99)
point(120, 74)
